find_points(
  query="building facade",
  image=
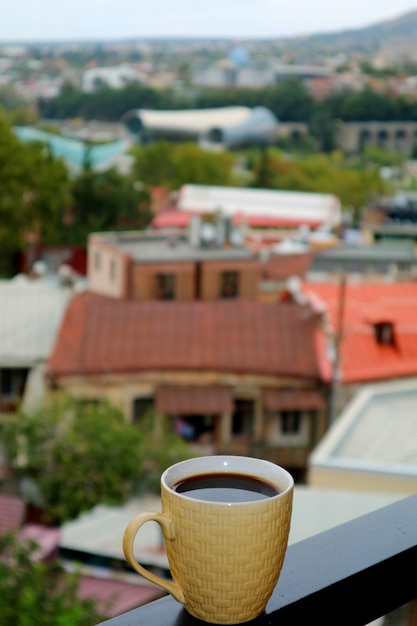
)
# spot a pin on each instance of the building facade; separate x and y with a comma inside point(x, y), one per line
point(231, 376)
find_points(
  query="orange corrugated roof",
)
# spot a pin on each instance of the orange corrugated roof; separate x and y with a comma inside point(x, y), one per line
point(362, 358)
point(100, 334)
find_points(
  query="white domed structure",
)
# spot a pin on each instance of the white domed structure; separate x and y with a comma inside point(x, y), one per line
point(226, 127)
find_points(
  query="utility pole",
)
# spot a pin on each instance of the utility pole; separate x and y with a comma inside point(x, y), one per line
point(337, 344)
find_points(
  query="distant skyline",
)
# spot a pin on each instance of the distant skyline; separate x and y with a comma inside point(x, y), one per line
point(50, 20)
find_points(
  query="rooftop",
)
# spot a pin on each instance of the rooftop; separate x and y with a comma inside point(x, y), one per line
point(100, 531)
point(100, 335)
point(196, 120)
point(379, 252)
point(314, 209)
point(363, 359)
point(174, 247)
point(73, 151)
point(30, 314)
point(375, 435)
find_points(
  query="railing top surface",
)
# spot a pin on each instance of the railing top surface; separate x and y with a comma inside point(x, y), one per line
point(352, 573)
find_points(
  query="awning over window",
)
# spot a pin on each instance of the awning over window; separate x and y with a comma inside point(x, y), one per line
point(286, 399)
point(188, 400)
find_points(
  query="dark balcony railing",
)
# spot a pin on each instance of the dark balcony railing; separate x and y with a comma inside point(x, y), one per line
point(347, 576)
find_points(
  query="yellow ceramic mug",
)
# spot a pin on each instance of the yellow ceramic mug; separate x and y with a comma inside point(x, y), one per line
point(226, 521)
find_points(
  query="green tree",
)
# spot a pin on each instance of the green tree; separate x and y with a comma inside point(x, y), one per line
point(33, 592)
point(194, 165)
point(9, 98)
point(74, 455)
point(163, 448)
point(289, 100)
point(71, 455)
point(173, 165)
point(34, 188)
point(379, 156)
point(322, 173)
point(104, 201)
point(153, 163)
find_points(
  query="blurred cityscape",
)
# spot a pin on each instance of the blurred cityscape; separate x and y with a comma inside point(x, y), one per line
point(219, 236)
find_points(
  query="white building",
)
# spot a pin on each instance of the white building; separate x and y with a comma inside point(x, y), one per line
point(116, 77)
point(30, 314)
point(221, 127)
point(262, 207)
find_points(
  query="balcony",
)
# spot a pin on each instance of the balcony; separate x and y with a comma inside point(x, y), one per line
point(347, 576)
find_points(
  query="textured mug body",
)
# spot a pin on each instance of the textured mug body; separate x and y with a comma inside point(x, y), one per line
point(226, 558)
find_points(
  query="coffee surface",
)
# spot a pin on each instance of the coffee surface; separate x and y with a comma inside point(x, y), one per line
point(226, 488)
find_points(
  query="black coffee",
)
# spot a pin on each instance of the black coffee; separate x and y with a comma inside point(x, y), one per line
point(226, 488)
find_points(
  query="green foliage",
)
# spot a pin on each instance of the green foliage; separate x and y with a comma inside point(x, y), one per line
point(78, 454)
point(34, 188)
point(197, 166)
point(320, 173)
point(9, 98)
point(369, 105)
point(380, 156)
point(103, 201)
point(106, 103)
point(163, 448)
point(20, 112)
point(73, 455)
point(34, 593)
point(289, 100)
point(173, 165)
point(153, 163)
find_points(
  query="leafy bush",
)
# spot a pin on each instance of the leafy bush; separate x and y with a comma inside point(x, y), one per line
point(163, 448)
point(37, 593)
point(74, 455)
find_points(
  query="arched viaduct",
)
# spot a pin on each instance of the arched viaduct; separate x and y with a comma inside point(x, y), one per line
point(398, 136)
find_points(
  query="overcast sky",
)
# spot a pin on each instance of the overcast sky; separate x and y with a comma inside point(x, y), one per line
point(114, 19)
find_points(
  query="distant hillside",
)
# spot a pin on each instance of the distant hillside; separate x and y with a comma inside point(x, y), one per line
point(398, 35)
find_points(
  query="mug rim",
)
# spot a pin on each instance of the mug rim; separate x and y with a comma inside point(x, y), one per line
point(222, 461)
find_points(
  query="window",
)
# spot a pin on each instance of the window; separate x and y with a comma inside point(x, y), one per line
point(290, 422)
point(194, 428)
point(290, 428)
point(242, 419)
point(384, 333)
point(13, 382)
point(229, 285)
point(141, 406)
point(165, 286)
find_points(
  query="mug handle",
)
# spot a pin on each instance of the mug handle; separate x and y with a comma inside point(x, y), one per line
point(128, 541)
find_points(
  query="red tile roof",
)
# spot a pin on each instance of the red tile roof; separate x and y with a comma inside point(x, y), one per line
point(362, 358)
point(100, 334)
point(12, 512)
